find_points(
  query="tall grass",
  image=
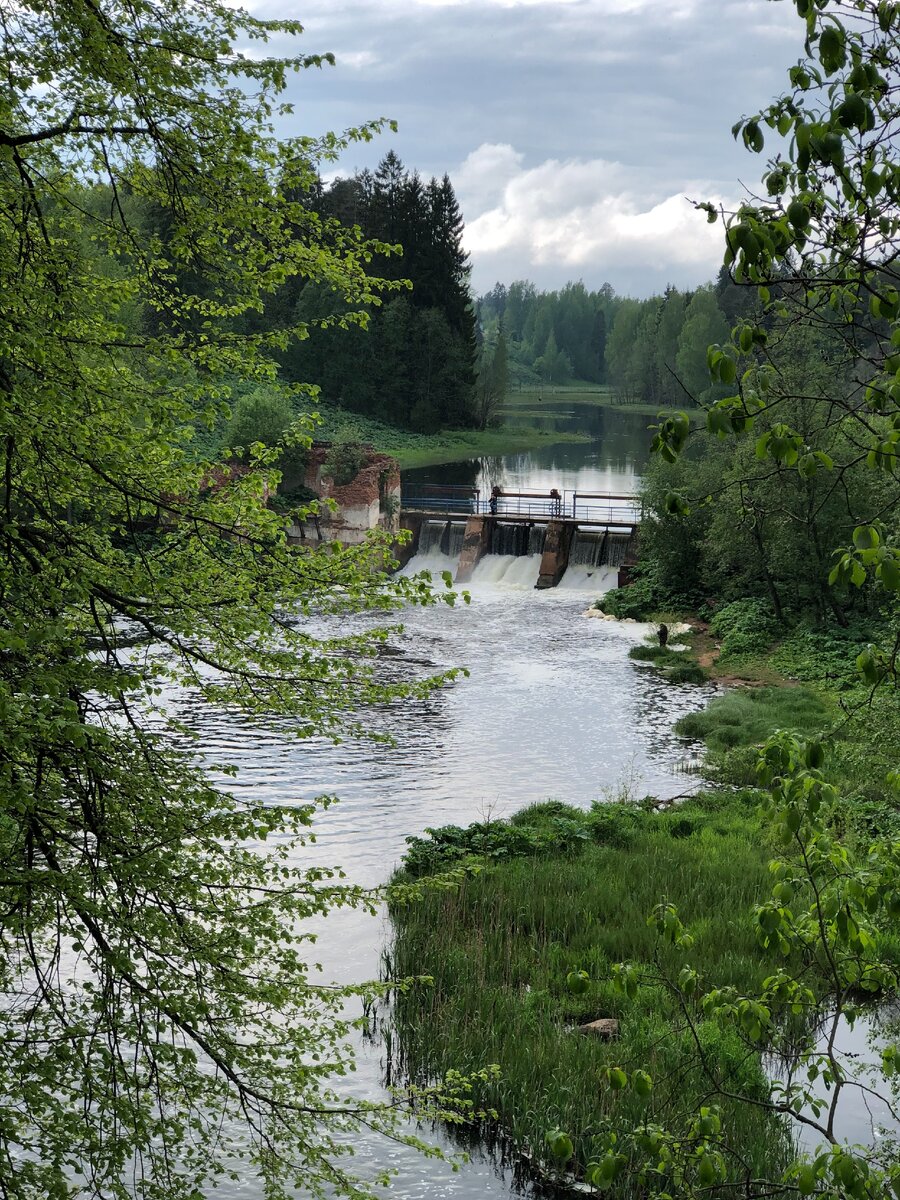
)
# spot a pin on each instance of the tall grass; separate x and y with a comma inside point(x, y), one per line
point(747, 716)
point(500, 946)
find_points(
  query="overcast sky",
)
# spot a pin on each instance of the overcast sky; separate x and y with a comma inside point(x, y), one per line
point(573, 130)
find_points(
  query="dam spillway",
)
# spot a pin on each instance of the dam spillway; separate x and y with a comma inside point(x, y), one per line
point(553, 547)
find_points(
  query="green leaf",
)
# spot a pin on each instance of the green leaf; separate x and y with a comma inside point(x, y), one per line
point(578, 982)
point(560, 1144)
point(888, 571)
point(865, 537)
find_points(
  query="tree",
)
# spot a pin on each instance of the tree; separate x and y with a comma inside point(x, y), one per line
point(369, 371)
point(703, 324)
point(260, 417)
point(821, 253)
point(493, 379)
point(619, 345)
point(154, 977)
point(671, 320)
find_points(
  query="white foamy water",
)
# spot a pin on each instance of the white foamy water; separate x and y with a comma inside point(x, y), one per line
point(507, 571)
point(596, 580)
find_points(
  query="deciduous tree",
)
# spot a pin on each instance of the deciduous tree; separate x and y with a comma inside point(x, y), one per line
point(156, 993)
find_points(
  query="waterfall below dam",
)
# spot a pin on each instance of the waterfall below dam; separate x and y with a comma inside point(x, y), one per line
point(599, 548)
point(517, 539)
point(513, 554)
point(444, 537)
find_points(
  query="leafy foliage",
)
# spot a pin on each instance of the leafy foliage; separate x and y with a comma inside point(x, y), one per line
point(820, 250)
point(745, 626)
point(161, 1017)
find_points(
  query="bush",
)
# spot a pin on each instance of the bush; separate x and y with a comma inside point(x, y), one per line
point(745, 626)
point(539, 829)
point(637, 600)
point(344, 462)
point(259, 417)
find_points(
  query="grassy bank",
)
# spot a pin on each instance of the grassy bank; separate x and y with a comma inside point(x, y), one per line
point(563, 891)
point(531, 401)
point(800, 678)
point(449, 445)
point(455, 445)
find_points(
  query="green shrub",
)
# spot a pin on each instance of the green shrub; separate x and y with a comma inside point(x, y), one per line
point(259, 416)
point(828, 654)
point(745, 626)
point(648, 653)
point(636, 600)
point(539, 829)
point(344, 462)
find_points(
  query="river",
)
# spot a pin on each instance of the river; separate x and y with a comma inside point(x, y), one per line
point(552, 707)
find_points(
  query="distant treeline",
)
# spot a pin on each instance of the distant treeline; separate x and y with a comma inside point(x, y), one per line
point(649, 351)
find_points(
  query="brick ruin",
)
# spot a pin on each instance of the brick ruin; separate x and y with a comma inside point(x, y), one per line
point(371, 500)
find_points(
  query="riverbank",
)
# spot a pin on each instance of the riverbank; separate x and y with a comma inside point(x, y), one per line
point(523, 950)
point(448, 445)
point(801, 678)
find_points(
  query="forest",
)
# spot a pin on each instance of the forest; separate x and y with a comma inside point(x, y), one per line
point(648, 351)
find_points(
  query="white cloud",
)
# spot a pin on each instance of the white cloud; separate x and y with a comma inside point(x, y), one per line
point(357, 60)
point(590, 216)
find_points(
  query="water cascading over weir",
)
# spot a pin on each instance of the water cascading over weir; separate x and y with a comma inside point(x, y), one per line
point(599, 547)
point(534, 538)
point(445, 536)
point(517, 539)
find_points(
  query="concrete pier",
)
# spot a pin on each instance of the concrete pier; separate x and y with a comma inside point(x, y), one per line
point(475, 543)
point(555, 559)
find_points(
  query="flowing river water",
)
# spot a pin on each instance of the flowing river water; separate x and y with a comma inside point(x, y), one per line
point(552, 708)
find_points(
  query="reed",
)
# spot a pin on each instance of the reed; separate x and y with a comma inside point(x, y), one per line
point(500, 946)
point(747, 716)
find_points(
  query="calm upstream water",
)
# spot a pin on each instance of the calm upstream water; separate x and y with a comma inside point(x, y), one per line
point(552, 708)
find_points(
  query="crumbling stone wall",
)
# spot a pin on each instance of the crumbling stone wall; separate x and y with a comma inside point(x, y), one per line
point(369, 501)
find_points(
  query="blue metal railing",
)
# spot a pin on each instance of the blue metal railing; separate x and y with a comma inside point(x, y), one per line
point(597, 507)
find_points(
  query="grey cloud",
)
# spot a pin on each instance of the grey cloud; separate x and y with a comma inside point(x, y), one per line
point(652, 86)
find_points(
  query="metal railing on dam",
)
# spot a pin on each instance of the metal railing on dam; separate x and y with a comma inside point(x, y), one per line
point(584, 508)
